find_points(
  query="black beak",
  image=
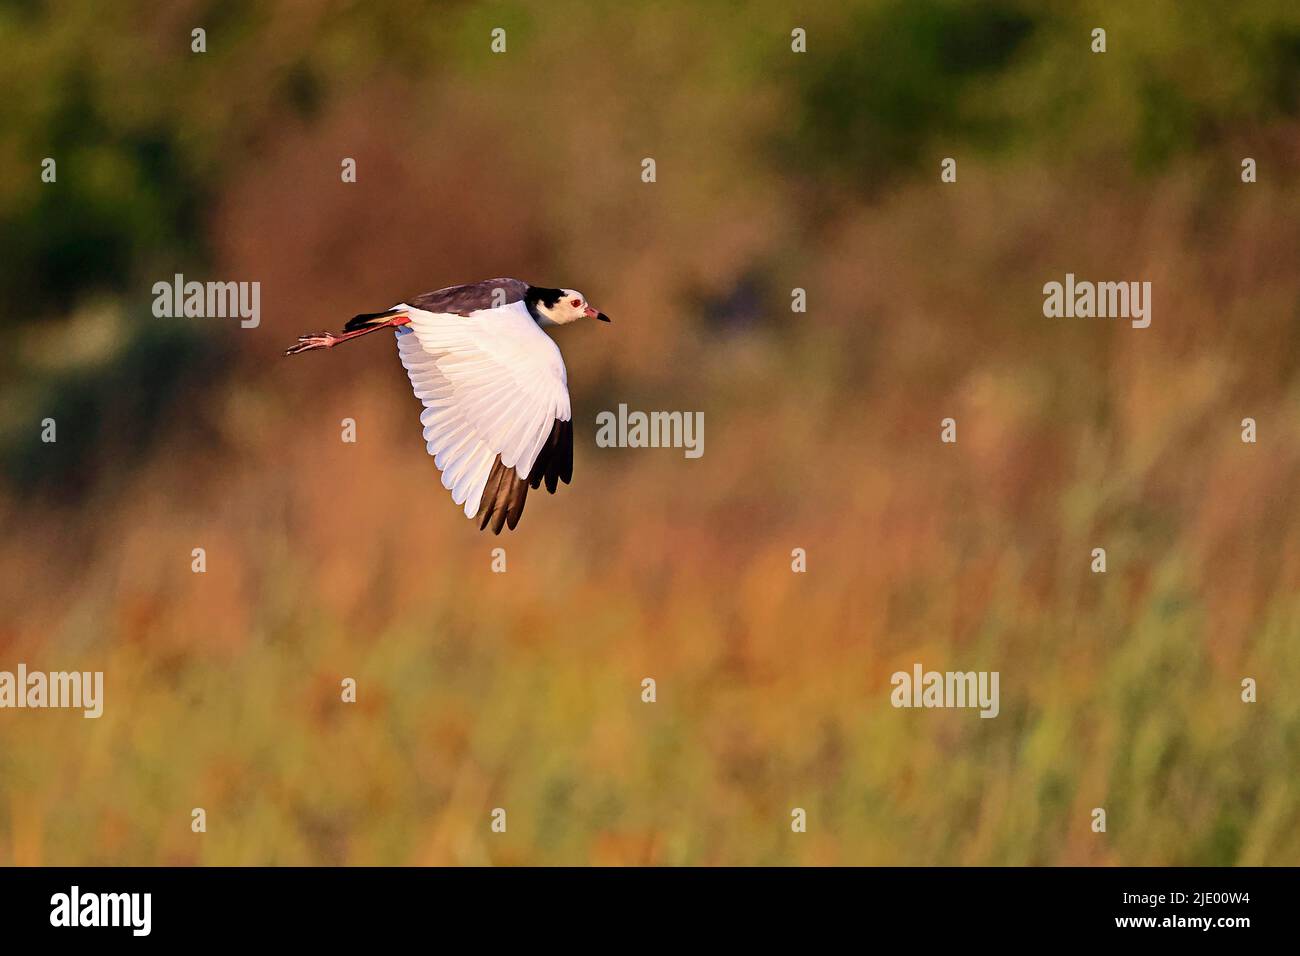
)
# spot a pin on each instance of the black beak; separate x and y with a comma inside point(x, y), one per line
point(602, 316)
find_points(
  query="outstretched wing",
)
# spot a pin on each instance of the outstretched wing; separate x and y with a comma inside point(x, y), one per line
point(497, 416)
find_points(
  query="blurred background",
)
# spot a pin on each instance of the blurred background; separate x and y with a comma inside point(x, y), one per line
point(775, 170)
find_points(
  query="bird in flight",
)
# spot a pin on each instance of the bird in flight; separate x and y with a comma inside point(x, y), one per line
point(496, 413)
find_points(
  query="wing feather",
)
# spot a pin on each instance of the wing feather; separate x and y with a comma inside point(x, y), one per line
point(497, 413)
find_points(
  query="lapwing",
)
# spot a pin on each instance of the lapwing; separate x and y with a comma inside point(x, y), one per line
point(496, 417)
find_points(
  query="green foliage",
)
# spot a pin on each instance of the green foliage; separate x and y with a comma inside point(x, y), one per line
point(898, 77)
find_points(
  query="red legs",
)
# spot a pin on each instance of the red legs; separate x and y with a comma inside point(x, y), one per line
point(321, 340)
point(327, 340)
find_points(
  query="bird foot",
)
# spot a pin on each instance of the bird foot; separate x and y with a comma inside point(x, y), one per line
point(321, 340)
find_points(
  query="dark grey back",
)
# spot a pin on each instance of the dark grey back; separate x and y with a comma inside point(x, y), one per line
point(471, 297)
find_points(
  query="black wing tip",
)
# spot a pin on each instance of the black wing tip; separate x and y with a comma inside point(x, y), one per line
point(504, 497)
point(505, 492)
point(555, 461)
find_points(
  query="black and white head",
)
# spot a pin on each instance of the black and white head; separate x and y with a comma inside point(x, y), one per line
point(560, 306)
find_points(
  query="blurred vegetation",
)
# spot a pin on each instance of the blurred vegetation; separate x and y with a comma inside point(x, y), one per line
point(776, 170)
point(899, 77)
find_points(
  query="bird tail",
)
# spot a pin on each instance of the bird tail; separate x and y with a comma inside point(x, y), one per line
point(368, 319)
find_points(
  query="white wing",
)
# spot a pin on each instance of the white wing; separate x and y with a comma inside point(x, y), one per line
point(492, 383)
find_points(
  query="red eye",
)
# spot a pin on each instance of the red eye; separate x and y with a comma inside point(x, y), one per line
point(575, 302)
